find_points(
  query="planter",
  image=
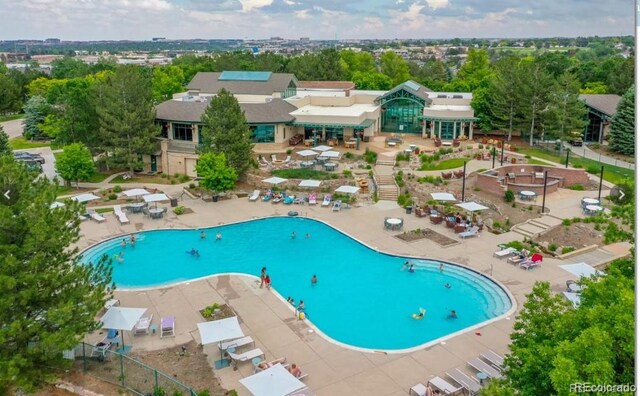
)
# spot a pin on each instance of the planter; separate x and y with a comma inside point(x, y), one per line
point(485, 141)
point(214, 198)
point(513, 160)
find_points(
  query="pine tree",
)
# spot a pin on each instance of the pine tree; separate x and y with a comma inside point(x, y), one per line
point(568, 112)
point(35, 112)
point(226, 131)
point(623, 127)
point(5, 147)
point(127, 116)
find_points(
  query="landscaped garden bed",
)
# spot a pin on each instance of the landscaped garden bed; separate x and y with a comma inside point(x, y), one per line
point(422, 233)
point(217, 311)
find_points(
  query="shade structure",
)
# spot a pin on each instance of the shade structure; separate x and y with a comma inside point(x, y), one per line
point(574, 298)
point(121, 318)
point(274, 381)
point(56, 204)
point(348, 189)
point(330, 154)
point(309, 183)
point(155, 198)
point(443, 197)
point(307, 153)
point(85, 197)
point(218, 331)
point(275, 180)
point(136, 192)
point(581, 270)
point(472, 206)
point(322, 148)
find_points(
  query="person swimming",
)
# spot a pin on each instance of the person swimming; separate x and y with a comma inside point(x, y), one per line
point(420, 314)
point(452, 314)
point(447, 285)
point(123, 243)
point(218, 236)
point(293, 235)
point(314, 280)
point(308, 236)
point(193, 252)
point(119, 257)
point(412, 269)
point(203, 235)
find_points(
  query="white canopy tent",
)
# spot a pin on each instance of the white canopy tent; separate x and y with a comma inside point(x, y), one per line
point(218, 331)
point(443, 197)
point(309, 183)
point(275, 180)
point(85, 197)
point(121, 318)
point(330, 154)
point(136, 192)
point(56, 204)
point(581, 270)
point(472, 206)
point(307, 153)
point(348, 189)
point(322, 148)
point(274, 381)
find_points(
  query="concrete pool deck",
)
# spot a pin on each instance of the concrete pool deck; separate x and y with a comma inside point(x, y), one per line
point(332, 369)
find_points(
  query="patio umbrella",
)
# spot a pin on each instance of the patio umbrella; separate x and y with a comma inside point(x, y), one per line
point(155, 198)
point(472, 206)
point(56, 204)
point(307, 153)
point(122, 318)
point(309, 183)
point(322, 148)
point(574, 298)
point(85, 197)
point(443, 197)
point(581, 270)
point(136, 192)
point(275, 180)
point(218, 331)
point(274, 381)
point(330, 154)
point(348, 189)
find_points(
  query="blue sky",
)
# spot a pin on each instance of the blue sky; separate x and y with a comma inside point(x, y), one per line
point(318, 19)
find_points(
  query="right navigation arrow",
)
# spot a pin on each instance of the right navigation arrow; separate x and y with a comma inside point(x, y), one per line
point(621, 195)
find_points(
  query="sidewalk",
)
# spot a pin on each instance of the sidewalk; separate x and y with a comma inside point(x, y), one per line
point(586, 152)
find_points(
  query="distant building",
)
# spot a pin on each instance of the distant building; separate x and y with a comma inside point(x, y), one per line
point(305, 39)
point(276, 38)
point(52, 41)
point(601, 110)
point(156, 39)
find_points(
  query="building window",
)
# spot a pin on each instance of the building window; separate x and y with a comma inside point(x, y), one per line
point(183, 132)
point(164, 129)
point(334, 133)
point(263, 133)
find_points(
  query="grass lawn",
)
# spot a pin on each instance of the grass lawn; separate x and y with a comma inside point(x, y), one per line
point(20, 143)
point(304, 174)
point(11, 117)
point(98, 177)
point(536, 162)
point(613, 174)
point(442, 165)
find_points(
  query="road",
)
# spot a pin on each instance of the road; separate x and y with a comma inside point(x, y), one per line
point(584, 151)
point(13, 128)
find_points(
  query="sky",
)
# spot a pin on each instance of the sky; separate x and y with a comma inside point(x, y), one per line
point(317, 19)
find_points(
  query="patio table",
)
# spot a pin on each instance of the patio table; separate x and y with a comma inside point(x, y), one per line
point(590, 201)
point(593, 209)
point(330, 166)
point(156, 213)
point(307, 164)
point(528, 195)
point(394, 224)
point(136, 207)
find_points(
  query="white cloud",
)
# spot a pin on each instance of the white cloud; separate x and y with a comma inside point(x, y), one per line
point(248, 5)
point(302, 14)
point(435, 4)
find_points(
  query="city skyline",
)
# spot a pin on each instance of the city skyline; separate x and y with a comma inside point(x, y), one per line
point(291, 19)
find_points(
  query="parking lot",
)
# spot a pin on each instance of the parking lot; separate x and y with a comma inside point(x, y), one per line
point(49, 166)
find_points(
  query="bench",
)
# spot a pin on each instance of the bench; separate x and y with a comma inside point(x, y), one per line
point(296, 139)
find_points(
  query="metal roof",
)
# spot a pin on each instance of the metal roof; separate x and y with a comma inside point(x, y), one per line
point(608, 104)
point(364, 124)
point(275, 111)
point(207, 82)
point(244, 76)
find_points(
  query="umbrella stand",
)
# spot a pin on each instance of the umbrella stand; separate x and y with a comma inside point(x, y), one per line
point(123, 349)
point(222, 363)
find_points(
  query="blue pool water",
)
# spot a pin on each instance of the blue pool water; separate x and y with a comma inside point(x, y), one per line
point(362, 298)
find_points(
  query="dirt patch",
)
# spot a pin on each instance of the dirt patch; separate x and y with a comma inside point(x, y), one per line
point(79, 379)
point(417, 234)
point(576, 235)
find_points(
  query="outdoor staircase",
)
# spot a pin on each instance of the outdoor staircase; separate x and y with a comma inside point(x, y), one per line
point(389, 161)
point(384, 179)
point(535, 227)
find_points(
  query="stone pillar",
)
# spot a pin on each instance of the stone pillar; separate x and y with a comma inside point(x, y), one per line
point(455, 130)
point(439, 129)
point(470, 130)
point(424, 128)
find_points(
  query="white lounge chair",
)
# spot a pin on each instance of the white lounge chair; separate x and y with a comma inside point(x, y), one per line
point(167, 326)
point(517, 259)
point(96, 216)
point(122, 217)
point(312, 199)
point(493, 358)
point(142, 327)
point(101, 348)
point(471, 233)
point(472, 386)
point(237, 343)
point(485, 368)
point(327, 200)
point(337, 205)
point(255, 195)
point(287, 160)
point(418, 390)
point(111, 303)
point(246, 356)
point(505, 253)
point(443, 385)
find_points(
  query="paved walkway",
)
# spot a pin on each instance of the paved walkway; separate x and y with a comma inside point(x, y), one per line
point(333, 370)
point(586, 152)
point(13, 128)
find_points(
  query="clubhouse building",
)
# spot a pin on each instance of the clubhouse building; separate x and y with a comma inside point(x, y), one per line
point(279, 108)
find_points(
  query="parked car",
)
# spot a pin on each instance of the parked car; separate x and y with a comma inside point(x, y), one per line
point(577, 142)
point(37, 157)
point(33, 165)
point(25, 156)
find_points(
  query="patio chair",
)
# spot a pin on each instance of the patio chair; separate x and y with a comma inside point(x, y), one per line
point(418, 390)
point(535, 261)
point(517, 259)
point(485, 368)
point(337, 205)
point(443, 385)
point(168, 326)
point(327, 200)
point(287, 160)
point(450, 221)
point(254, 196)
point(142, 327)
point(459, 228)
point(471, 233)
point(246, 356)
point(472, 386)
point(101, 348)
point(496, 360)
point(312, 199)
point(237, 343)
point(505, 253)
point(95, 216)
point(435, 219)
point(122, 217)
point(111, 303)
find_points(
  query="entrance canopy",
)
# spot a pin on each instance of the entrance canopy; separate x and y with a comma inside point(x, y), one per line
point(472, 206)
point(274, 381)
point(220, 330)
point(443, 197)
point(581, 270)
point(309, 183)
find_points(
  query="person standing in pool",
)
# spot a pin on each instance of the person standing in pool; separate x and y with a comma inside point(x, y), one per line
point(123, 243)
point(263, 274)
point(203, 235)
point(441, 267)
point(453, 315)
point(293, 235)
point(218, 236)
point(314, 280)
point(132, 239)
point(411, 269)
point(447, 285)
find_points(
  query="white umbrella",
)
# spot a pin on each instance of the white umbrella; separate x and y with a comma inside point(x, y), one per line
point(121, 318)
point(322, 148)
point(330, 154)
point(85, 197)
point(56, 204)
point(348, 189)
point(471, 206)
point(275, 180)
point(155, 198)
point(574, 298)
point(581, 270)
point(274, 381)
point(307, 153)
point(136, 192)
point(443, 197)
point(218, 331)
point(309, 183)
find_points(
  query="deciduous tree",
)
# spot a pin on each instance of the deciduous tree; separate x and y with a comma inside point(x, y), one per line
point(568, 113)
point(167, 80)
point(75, 163)
point(216, 175)
point(395, 67)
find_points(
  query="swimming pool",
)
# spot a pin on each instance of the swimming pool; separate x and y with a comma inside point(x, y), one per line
point(362, 298)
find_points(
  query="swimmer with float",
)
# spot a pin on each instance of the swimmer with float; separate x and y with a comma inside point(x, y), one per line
point(420, 315)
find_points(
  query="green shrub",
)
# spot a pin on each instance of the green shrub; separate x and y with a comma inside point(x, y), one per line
point(177, 175)
point(117, 189)
point(113, 197)
point(530, 208)
point(179, 210)
point(553, 247)
point(576, 187)
point(289, 151)
point(404, 200)
point(173, 181)
point(443, 151)
point(370, 173)
point(509, 196)
point(469, 147)
point(566, 222)
point(480, 146)
point(481, 170)
point(368, 166)
point(576, 220)
point(191, 185)
point(184, 178)
point(348, 155)
point(370, 156)
point(595, 146)
point(593, 169)
point(403, 157)
point(346, 173)
point(208, 311)
point(515, 244)
point(568, 249)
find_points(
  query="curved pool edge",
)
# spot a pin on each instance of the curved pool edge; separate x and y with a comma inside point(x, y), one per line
point(439, 340)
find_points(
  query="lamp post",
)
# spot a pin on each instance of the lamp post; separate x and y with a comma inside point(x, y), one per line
point(493, 164)
point(464, 178)
point(566, 165)
point(357, 141)
point(600, 186)
point(544, 191)
point(501, 155)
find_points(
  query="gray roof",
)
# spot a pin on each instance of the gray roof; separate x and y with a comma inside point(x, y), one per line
point(608, 104)
point(410, 86)
point(207, 82)
point(275, 111)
